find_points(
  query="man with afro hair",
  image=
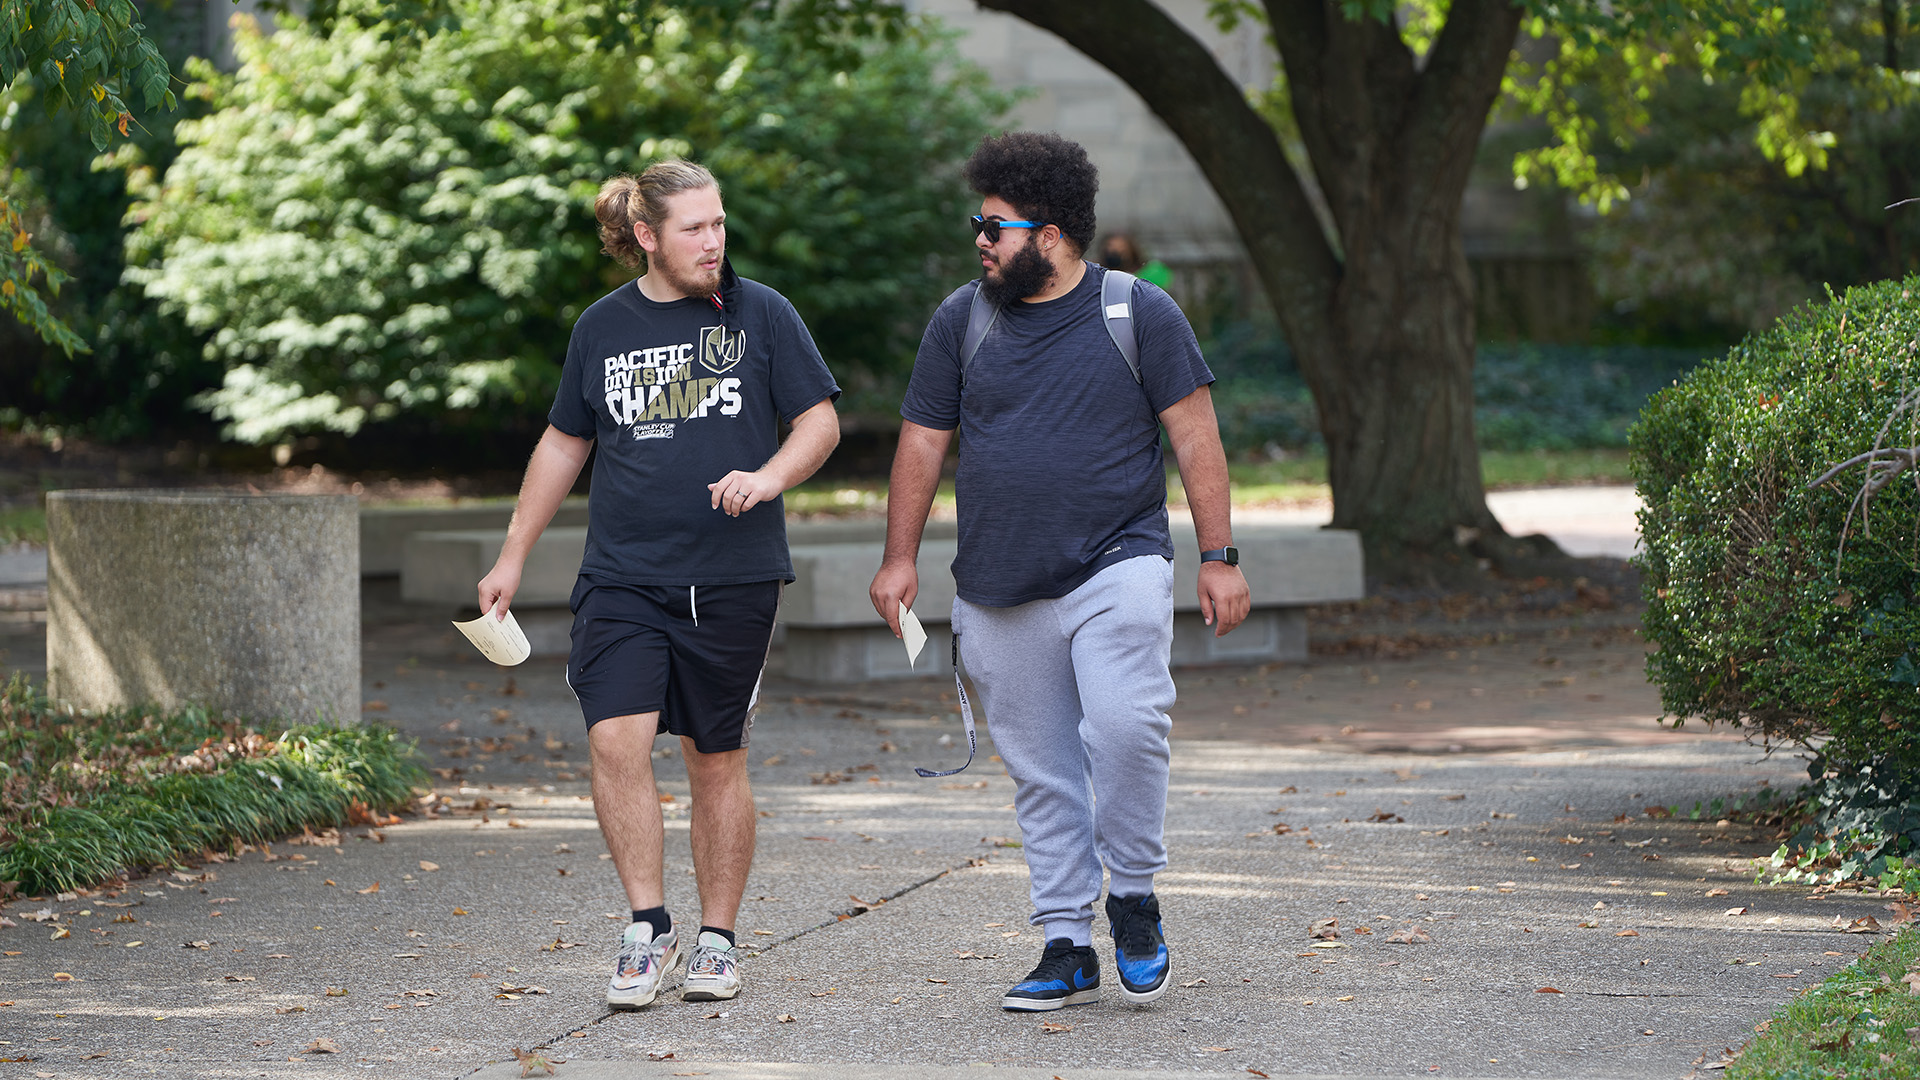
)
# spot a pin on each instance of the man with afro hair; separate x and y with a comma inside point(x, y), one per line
point(1064, 575)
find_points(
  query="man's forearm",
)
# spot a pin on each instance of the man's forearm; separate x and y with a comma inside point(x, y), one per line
point(815, 433)
point(1203, 473)
point(1195, 434)
point(910, 489)
point(550, 475)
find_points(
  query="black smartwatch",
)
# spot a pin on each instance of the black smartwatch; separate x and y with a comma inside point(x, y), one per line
point(1228, 555)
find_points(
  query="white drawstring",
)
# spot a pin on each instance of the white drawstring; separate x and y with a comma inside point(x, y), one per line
point(693, 605)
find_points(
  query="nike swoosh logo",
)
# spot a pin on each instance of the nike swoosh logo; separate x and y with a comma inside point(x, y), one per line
point(1081, 981)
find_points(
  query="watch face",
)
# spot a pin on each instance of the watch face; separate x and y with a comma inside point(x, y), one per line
point(1233, 556)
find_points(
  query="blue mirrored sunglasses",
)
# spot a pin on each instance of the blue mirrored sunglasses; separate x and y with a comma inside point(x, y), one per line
point(992, 226)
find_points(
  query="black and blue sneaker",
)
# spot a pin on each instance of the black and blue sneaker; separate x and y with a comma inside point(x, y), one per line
point(1139, 947)
point(1067, 974)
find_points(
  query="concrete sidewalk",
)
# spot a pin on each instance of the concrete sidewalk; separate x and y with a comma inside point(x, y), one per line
point(1570, 934)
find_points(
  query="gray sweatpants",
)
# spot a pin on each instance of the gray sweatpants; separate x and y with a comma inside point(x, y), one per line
point(1075, 692)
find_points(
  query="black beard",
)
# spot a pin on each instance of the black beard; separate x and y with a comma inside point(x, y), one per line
point(1022, 276)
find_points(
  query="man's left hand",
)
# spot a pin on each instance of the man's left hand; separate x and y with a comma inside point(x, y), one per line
point(1225, 599)
point(738, 491)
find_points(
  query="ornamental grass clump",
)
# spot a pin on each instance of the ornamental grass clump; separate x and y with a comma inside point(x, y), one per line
point(86, 796)
point(1782, 557)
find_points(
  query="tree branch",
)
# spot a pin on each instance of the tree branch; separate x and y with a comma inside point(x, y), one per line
point(1450, 103)
point(1238, 152)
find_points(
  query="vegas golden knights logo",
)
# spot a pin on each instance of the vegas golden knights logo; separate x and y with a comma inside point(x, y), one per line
point(720, 350)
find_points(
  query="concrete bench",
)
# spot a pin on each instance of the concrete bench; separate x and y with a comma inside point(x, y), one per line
point(829, 626)
point(384, 530)
point(833, 634)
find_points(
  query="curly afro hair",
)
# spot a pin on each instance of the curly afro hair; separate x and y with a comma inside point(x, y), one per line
point(1044, 176)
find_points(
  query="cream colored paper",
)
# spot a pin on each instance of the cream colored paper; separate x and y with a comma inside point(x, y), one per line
point(499, 640)
point(912, 634)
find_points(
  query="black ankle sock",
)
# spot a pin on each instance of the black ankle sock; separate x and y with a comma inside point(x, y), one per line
point(728, 934)
point(656, 917)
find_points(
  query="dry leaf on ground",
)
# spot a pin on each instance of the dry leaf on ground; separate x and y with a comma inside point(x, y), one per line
point(529, 1062)
point(1412, 935)
point(1049, 1027)
point(1324, 929)
point(322, 1045)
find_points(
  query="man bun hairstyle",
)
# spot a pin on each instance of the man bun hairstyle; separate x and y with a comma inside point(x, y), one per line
point(626, 200)
point(1045, 176)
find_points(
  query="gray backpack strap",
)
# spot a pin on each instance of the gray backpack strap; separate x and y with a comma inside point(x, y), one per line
point(1116, 305)
point(1116, 301)
point(980, 319)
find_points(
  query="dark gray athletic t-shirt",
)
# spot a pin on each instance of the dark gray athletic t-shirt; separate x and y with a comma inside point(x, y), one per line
point(1060, 472)
point(676, 404)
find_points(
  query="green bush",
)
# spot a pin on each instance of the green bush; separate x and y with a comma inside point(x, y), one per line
point(370, 224)
point(86, 796)
point(1526, 396)
point(1778, 607)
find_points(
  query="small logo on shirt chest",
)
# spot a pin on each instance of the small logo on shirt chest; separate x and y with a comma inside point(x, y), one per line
point(720, 350)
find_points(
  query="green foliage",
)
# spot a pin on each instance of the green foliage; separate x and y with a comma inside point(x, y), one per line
point(1853, 1024)
point(1559, 397)
point(1527, 397)
point(84, 797)
point(370, 224)
point(90, 57)
point(24, 269)
point(1605, 60)
point(1719, 226)
point(130, 371)
point(1778, 607)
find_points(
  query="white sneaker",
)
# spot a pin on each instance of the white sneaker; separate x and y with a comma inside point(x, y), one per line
point(644, 963)
point(713, 970)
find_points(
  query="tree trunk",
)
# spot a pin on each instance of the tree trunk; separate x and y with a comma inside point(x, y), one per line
point(1382, 326)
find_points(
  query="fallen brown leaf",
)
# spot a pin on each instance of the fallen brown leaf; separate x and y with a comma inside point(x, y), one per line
point(322, 1045)
point(529, 1062)
point(1548, 990)
point(1324, 929)
point(1628, 933)
point(1050, 1027)
point(1865, 924)
point(1412, 935)
point(785, 1018)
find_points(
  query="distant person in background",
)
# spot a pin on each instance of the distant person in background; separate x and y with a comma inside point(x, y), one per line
point(1119, 252)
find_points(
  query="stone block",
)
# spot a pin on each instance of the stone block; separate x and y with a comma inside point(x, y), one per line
point(245, 604)
point(445, 567)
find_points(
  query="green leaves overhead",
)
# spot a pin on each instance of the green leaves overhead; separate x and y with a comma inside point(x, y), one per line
point(371, 224)
point(89, 56)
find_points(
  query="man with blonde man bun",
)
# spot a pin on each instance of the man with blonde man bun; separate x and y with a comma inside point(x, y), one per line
point(683, 379)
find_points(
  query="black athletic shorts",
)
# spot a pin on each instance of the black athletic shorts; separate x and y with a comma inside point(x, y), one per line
point(694, 653)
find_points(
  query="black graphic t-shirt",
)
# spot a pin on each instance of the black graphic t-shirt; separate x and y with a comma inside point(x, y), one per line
point(676, 401)
point(1060, 467)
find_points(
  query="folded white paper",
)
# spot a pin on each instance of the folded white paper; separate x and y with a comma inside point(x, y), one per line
point(499, 640)
point(912, 634)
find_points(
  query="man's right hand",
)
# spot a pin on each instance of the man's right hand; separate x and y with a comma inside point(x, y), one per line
point(897, 583)
point(498, 587)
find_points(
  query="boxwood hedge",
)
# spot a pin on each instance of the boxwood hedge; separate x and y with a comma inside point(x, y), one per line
point(1778, 604)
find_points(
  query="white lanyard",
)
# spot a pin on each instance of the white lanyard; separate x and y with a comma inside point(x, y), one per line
point(966, 717)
